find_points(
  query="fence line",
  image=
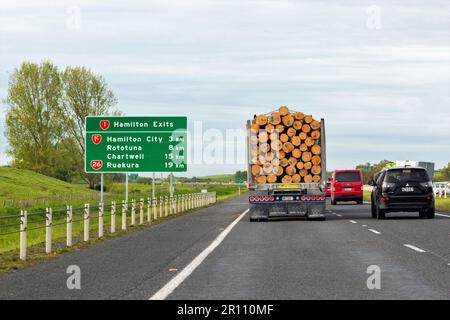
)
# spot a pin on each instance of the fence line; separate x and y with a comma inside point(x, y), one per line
point(51, 218)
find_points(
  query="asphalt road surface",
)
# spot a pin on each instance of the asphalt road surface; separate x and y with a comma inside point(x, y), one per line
point(216, 253)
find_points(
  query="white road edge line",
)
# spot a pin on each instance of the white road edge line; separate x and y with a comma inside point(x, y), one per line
point(414, 248)
point(352, 221)
point(442, 215)
point(374, 231)
point(165, 291)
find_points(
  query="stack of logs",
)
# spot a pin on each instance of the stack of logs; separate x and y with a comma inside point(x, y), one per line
point(285, 148)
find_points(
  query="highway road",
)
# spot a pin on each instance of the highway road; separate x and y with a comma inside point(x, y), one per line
point(216, 253)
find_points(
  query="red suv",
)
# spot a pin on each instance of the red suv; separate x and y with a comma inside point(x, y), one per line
point(347, 185)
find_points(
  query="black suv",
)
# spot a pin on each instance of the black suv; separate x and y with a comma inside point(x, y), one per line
point(402, 189)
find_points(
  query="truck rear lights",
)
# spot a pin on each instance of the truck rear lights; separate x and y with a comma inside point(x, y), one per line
point(313, 198)
point(385, 198)
point(429, 197)
point(261, 199)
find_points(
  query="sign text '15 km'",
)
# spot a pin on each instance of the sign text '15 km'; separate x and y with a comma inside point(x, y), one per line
point(136, 144)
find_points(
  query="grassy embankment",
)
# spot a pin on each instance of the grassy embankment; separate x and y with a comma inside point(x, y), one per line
point(23, 189)
point(442, 204)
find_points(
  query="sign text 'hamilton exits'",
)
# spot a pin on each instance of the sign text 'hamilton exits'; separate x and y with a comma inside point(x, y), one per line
point(136, 144)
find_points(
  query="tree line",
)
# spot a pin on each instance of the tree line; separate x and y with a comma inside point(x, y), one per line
point(45, 118)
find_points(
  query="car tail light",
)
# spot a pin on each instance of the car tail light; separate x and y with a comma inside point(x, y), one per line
point(303, 198)
point(308, 198)
point(249, 184)
point(251, 198)
point(385, 198)
point(266, 199)
point(272, 198)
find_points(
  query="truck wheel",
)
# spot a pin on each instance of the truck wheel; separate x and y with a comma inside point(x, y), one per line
point(317, 219)
point(381, 214)
point(333, 202)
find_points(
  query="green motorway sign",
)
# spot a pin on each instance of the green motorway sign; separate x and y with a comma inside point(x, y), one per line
point(136, 144)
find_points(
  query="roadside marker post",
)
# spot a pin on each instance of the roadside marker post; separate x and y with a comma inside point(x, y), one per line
point(149, 208)
point(69, 221)
point(133, 212)
point(141, 212)
point(100, 219)
point(86, 222)
point(113, 217)
point(124, 215)
point(160, 206)
point(48, 230)
point(23, 234)
point(155, 212)
point(166, 200)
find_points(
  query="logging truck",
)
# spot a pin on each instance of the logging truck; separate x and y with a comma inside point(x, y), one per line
point(286, 172)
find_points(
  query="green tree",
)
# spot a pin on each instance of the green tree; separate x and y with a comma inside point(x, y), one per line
point(240, 176)
point(84, 94)
point(33, 126)
point(442, 174)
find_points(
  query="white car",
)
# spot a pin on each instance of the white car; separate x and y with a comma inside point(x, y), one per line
point(441, 187)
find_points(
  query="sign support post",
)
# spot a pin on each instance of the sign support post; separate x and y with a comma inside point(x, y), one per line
point(126, 188)
point(101, 187)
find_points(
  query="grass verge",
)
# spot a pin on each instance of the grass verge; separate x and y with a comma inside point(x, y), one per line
point(9, 260)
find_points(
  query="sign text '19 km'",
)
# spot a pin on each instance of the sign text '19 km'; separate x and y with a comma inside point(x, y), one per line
point(136, 144)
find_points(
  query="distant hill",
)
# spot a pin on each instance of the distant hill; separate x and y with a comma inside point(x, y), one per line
point(219, 177)
point(18, 184)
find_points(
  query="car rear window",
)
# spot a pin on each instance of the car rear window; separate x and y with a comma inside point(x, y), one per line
point(350, 176)
point(406, 175)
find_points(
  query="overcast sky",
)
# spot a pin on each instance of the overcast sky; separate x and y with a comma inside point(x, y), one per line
point(377, 71)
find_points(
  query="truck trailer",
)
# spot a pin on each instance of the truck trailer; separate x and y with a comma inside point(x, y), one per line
point(295, 196)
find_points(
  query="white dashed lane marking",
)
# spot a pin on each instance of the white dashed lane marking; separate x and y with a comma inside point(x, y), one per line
point(414, 248)
point(374, 231)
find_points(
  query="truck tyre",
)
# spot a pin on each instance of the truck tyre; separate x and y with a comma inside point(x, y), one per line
point(360, 201)
point(317, 219)
point(333, 202)
point(381, 214)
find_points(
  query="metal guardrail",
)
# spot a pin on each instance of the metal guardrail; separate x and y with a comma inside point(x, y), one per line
point(138, 211)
